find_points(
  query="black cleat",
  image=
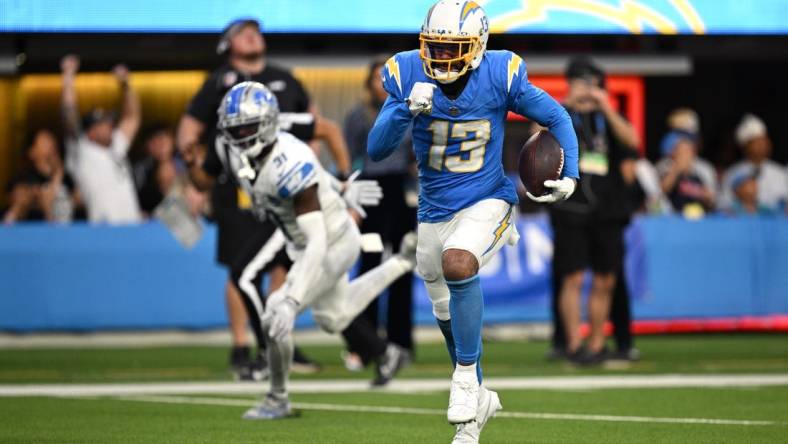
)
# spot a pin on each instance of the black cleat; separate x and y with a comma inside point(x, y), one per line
point(556, 354)
point(394, 359)
point(302, 364)
point(629, 355)
point(586, 358)
point(258, 369)
point(239, 362)
point(252, 370)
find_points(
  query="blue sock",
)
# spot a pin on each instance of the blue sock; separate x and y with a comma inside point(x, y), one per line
point(445, 327)
point(466, 307)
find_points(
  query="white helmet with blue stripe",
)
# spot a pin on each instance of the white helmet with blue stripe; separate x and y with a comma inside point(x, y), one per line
point(249, 118)
point(453, 39)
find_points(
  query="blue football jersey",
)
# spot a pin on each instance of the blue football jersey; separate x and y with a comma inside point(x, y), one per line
point(459, 145)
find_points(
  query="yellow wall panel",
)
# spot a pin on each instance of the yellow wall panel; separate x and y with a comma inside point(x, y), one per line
point(334, 90)
point(164, 95)
point(7, 151)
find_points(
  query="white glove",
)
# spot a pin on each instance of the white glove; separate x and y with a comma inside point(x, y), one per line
point(420, 99)
point(361, 193)
point(283, 317)
point(246, 171)
point(562, 189)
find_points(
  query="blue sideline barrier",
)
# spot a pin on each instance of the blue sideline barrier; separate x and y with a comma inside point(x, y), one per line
point(83, 277)
point(86, 278)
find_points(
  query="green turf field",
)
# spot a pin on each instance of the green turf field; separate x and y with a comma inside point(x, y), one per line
point(748, 414)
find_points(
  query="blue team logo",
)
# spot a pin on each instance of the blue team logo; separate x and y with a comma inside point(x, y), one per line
point(246, 95)
point(293, 181)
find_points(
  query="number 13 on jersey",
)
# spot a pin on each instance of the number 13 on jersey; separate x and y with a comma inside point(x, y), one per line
point(471, 135)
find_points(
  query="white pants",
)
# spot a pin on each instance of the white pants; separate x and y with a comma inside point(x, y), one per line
point(481, 229)
point(334, 299)
point(326, 297)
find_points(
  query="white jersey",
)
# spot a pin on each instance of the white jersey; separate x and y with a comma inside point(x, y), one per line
point(104, 177)
point(289, 169)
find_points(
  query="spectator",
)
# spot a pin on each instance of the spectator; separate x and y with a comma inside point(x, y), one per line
point(158, 171)
point(44, 191)
point(772, 187)
point(688, 181)
point(682, 120)
point(745, 190)
point(685, 120)
point(589, 227)
point(96, 150)
point(392, 219)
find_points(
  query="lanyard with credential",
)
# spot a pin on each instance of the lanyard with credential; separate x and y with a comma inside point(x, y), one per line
point(581, 128)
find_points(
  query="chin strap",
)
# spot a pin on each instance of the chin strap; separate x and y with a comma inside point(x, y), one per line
point(246, 171)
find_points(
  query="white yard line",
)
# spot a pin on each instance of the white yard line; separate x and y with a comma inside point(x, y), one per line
point(422, 411)
point(402, 385)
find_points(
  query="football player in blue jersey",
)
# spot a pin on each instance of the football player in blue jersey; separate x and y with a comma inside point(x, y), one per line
point(457, 95)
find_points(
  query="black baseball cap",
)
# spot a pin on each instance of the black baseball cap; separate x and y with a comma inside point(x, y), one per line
point(583, 67)
point(95, 116)
point(231, 30)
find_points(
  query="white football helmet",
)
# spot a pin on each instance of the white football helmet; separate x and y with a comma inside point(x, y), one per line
point(249, 118)
point(453, 39)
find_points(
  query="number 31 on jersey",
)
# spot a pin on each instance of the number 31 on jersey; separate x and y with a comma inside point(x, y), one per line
point(472, 136)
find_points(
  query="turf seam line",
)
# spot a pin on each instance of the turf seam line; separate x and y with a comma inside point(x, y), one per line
point(423, 411)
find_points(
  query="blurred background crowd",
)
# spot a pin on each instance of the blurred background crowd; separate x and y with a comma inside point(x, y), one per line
point(134, 163)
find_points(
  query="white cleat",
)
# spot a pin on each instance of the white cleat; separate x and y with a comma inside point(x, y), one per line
point(272, 407)
point(489, 404)
point(467, 433)
point(463, 397)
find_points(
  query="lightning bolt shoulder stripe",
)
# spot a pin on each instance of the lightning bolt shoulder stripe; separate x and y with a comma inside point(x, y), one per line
point(513, 68)
point(392, 68)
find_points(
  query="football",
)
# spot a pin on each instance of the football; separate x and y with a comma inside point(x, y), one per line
point(541, 158)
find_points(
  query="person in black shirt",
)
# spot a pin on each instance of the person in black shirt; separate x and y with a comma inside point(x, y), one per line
point(241, 235)
point(589, 226)
point(45, 191)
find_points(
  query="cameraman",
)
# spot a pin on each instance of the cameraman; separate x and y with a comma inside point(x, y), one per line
point(589, 227)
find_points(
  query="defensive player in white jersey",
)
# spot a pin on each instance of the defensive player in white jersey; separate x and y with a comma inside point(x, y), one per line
point(287, 184)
